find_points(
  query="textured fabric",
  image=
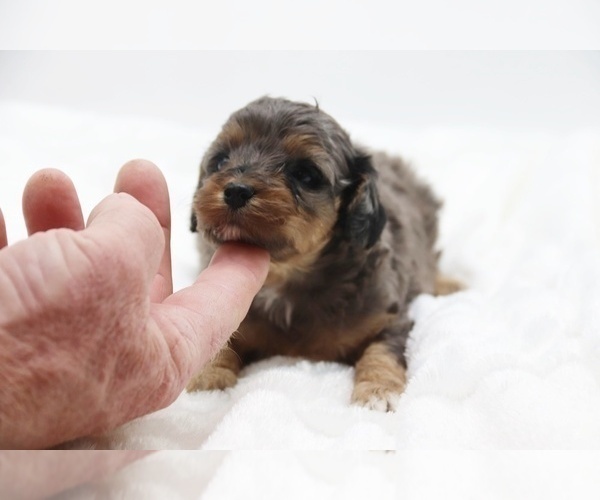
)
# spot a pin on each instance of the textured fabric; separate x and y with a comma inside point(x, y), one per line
point(512, 362)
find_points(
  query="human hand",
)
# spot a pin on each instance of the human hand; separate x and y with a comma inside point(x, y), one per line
point(91, 335)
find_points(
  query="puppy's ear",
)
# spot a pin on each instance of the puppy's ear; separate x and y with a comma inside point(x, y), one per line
point(362, 216)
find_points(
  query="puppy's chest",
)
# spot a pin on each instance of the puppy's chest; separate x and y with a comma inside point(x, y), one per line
point(309, 325)
point(280, 309)
point(301, 311)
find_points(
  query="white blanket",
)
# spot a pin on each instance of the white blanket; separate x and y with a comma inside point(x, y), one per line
point(512, 362)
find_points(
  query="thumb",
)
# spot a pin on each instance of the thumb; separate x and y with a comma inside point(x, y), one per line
point(128, 230)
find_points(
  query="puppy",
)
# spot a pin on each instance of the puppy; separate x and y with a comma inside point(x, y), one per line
point(351, 237)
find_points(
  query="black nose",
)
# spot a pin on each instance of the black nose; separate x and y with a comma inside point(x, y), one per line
point(237, 195)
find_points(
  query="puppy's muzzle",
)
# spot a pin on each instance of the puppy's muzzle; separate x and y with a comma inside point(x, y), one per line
point(237, 195)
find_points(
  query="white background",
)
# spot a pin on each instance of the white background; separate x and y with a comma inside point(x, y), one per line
point(512, 90)
point(306, 24)
point(509, 91)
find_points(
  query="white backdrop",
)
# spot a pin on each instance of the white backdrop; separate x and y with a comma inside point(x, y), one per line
point(377, 96)
point(511, 363)
point(310, 24)
point(508, 90)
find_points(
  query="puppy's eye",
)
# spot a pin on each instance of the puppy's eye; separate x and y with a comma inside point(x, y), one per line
point(307, 174)
point(221, 162)
point(218, 162)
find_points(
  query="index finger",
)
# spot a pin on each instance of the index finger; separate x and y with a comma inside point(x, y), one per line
point(210, 310)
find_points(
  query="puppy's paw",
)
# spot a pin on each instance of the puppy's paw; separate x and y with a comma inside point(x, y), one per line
point(377, 397)
point(212, 378)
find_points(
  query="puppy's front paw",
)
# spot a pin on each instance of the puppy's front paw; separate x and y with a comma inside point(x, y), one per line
point(379, 378)
point(212, 378)
point(376, 396)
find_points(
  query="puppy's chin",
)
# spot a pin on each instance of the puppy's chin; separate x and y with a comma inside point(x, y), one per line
point(230, 232)
point(279, 249)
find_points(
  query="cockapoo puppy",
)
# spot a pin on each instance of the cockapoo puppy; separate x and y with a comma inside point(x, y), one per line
point(351, 236)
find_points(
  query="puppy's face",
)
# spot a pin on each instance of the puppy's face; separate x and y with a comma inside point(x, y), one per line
point(284, 176)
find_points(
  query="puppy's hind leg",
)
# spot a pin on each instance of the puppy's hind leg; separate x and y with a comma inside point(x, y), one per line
point(445, 285)
point(221, 373)
point(380, 373)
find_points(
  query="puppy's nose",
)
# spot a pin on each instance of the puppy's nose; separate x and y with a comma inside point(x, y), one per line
point(237, 195)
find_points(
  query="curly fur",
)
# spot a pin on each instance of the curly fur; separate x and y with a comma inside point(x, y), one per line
point(351, 234)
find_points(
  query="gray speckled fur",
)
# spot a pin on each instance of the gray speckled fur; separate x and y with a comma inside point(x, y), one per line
point(354, 277)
